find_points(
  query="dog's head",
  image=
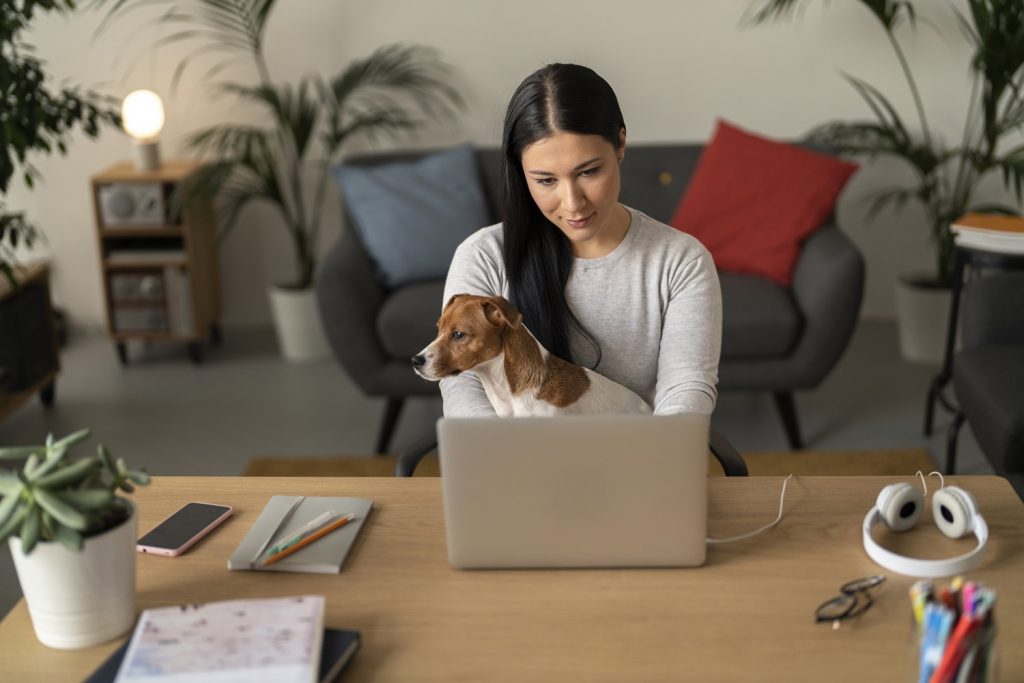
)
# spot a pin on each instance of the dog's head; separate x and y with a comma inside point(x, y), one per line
point(469, 332)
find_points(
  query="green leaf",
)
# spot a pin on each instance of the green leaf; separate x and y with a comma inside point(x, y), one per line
point(10, 485)
point(68, 476)
point(61, 511)
point(106, 458)
point(13, 524)
point(30, 529)
point(21, 452)
point(87, 499)
point(69, 538)
point(139, 477)
point(7, 507)
point(72, 439)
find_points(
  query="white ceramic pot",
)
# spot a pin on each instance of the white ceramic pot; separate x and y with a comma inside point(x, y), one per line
point(80, 599)
point(922, 313)
point(300, 333)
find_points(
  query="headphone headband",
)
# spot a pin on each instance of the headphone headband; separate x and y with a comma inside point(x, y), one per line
point(928, 569)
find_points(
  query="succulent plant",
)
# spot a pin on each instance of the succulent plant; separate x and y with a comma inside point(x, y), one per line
point(54, 498)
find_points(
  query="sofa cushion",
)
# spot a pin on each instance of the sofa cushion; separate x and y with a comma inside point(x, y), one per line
point(408, 319)
point(989, 382)
point(753, 200)
point(411, 216)
point(760, 319)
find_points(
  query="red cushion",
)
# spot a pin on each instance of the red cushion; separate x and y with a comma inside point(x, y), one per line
point(752, 201)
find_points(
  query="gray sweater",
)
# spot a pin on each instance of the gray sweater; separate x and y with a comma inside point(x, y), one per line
point(654, 305)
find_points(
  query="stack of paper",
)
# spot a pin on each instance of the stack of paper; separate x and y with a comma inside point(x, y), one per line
point(990, 232)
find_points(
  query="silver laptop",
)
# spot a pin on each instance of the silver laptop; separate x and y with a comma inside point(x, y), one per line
point(575, 491)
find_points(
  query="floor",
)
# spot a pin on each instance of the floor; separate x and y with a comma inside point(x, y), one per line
point(171, 417)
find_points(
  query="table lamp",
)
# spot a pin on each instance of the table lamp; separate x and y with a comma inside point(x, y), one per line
point(142, 115)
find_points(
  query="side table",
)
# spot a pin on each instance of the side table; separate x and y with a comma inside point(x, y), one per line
point(976, 258)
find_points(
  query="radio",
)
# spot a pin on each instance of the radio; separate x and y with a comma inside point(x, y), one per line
point(132, 204)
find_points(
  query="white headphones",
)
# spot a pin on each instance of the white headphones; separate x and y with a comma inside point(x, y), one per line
point(955, 512)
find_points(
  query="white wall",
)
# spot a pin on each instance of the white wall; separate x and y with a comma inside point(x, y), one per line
point(676, 66)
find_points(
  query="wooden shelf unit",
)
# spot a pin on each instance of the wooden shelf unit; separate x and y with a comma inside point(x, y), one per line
point(177, 259)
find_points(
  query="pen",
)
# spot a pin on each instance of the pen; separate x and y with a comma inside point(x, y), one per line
point(299, 545)
point(302, 532)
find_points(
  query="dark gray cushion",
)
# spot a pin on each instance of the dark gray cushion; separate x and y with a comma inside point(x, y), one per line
point(412, 215)
point(989, 382)
point(759, 317)
point(408, 319)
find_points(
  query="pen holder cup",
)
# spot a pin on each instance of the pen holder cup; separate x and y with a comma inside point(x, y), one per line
point(980, 662)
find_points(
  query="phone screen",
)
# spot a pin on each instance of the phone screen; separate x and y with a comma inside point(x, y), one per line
point(183, 525)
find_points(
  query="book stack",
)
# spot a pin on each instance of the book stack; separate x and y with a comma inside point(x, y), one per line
point(990, 232)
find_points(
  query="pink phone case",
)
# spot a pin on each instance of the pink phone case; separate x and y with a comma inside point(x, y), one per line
point(174, 552)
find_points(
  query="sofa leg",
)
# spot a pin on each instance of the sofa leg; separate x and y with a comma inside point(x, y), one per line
point(387, 427)
point(786, 406)
point(951, 439)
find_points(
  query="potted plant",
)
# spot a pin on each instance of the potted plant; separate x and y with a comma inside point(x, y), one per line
point(34, 119)
point(946, 177)
point(286, 162)
point(72, 539)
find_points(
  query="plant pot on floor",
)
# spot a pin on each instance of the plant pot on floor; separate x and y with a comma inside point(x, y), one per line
point(922, 315)
point(80, 599)
point(300, 332)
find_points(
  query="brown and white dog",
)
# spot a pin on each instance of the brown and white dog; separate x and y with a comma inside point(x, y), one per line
point(487, 335)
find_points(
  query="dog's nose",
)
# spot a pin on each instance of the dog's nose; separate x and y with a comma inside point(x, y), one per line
point(418, 360)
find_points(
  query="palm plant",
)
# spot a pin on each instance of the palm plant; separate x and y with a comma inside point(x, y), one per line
point(947, 177)
point(308, 124)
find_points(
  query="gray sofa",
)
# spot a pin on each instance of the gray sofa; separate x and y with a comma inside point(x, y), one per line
point(774, 339)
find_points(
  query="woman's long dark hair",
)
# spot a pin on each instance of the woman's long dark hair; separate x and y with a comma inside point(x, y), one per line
point(559, 98)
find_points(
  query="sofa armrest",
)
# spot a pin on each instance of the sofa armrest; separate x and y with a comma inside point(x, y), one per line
point(828, 286)
point(350, 297)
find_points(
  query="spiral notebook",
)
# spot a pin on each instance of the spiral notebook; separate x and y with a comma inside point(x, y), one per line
point(283, 515)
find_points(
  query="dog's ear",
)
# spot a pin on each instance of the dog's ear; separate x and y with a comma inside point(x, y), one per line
point(499, 311)
point(451, 301)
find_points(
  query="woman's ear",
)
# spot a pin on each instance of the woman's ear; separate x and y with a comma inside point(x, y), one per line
point(622, 144)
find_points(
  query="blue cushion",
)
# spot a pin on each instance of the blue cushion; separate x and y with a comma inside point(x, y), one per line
point(412, 216)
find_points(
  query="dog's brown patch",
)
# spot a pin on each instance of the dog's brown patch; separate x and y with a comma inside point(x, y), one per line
point(524, 364)
point(564, 383)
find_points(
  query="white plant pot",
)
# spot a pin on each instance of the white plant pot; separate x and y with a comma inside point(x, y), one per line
point(300, 333)
point(922, 314)
point(80, 599)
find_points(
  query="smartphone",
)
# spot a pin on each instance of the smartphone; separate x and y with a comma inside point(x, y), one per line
point(180, 531)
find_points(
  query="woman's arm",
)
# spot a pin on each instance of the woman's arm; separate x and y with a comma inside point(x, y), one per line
point(476, 269)
point(691, 339)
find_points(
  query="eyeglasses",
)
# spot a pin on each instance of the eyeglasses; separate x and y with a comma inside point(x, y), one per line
point(853, 600)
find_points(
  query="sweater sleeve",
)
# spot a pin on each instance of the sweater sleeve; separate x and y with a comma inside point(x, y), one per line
point(475, 269)
point(691, 339)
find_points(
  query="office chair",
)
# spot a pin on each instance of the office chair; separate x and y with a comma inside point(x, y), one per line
point(729, 458)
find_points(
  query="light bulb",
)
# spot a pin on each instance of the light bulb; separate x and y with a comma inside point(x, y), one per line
point(142, 114)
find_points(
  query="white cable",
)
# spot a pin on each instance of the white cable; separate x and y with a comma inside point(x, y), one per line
point(766, 527)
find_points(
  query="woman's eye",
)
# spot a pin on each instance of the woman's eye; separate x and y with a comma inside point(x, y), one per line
point(457, 335)
point(590, 171)
point(546, 182)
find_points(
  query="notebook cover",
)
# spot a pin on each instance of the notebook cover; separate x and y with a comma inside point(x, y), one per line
point(337, 649)
point(324, 556)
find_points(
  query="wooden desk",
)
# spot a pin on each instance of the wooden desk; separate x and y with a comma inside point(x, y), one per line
point(746, 615)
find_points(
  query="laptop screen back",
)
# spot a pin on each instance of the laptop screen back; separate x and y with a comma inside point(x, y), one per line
point(575, 491)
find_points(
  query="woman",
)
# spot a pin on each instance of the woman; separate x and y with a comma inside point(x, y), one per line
point(598, 283)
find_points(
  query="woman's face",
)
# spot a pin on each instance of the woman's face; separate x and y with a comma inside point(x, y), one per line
point(574, 180)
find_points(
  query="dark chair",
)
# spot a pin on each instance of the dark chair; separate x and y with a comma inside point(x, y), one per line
point(988, 371)
point(730, 459)
point(774, 338)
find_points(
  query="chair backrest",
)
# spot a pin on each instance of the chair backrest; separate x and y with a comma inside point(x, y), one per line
point(993, 303)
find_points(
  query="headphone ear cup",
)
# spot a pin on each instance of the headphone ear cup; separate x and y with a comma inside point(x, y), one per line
point(954, 510)
point(900, 506)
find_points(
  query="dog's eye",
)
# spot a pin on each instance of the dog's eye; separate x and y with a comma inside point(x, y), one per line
point(456, 335)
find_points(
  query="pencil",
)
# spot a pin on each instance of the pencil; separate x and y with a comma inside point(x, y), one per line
point(336, 524)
